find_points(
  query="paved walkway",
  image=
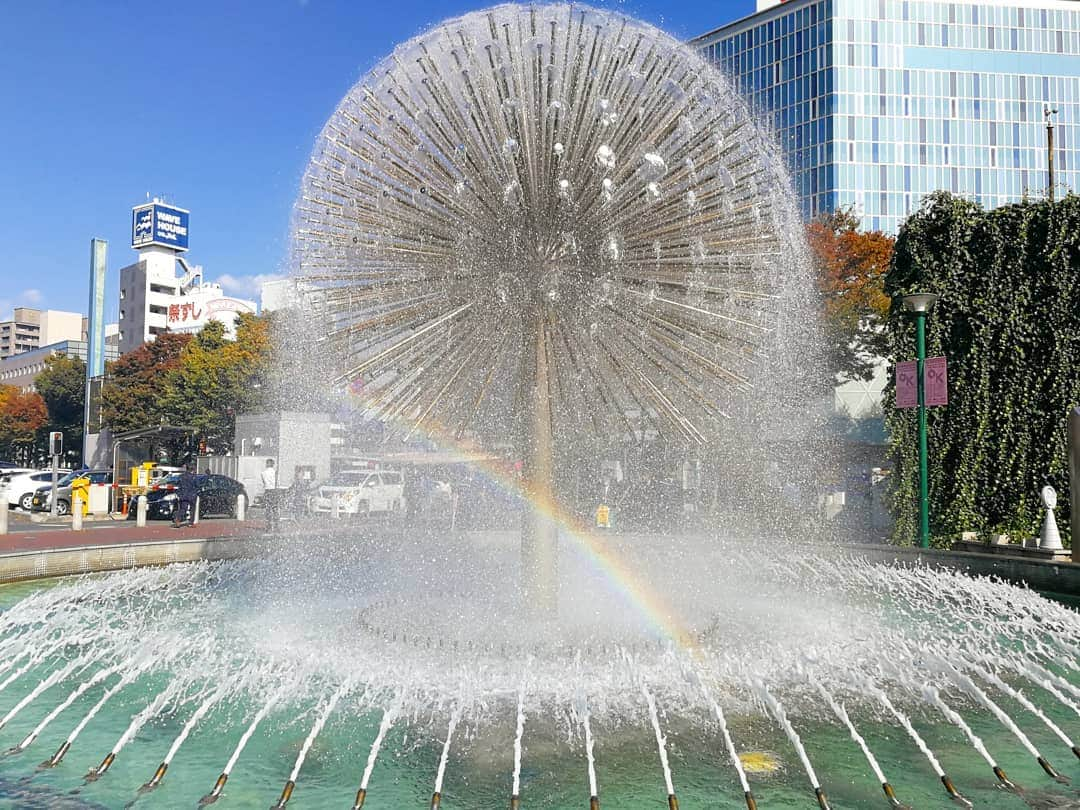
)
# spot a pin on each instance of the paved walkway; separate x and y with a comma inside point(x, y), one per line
point(106, 533)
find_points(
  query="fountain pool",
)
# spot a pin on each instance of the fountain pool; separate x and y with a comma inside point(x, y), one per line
point(192, 654)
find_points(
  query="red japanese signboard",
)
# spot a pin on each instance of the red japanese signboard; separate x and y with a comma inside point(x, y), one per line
point(907, 391)
point(936, 381)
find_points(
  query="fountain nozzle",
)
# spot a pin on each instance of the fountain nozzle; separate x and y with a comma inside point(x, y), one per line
point(954, 794)
point(1076, 750)
point(822, 799)
point(890, 794)
point(54, 760)
point(1004, 780)
point(594, 803)
point(99, 771)
point(155, 780)
point(286, 794)
point(515, 802)
point(751, 803)
point(215, 792)
point(361, 794)
point(672, 802)
point(436, 800)
point(1057, 777)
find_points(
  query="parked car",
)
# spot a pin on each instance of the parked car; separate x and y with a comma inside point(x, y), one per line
point(42, 501)
point(217, 496)
point(21, 487)
point(361, 492)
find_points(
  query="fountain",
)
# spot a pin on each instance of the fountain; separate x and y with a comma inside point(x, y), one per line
point(553, 227)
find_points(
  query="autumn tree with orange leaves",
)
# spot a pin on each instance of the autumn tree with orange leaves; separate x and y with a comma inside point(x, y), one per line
point(851, 267)
point(22, 415)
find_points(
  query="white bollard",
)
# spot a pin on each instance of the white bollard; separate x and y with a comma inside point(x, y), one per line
point(140, 511)
point(76, 514)
point(1049, 538)
point(241, 507)
point(335, 506)
point(195, 517)
point(3, 513)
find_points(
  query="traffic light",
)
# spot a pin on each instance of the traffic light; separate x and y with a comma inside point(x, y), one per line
point(56, 443)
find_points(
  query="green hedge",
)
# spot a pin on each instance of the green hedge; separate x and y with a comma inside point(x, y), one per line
point(1008, 319)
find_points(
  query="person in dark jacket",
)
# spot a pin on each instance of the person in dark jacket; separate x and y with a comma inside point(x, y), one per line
point(187, 490)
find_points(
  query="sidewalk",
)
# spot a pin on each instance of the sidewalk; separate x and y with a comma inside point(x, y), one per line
point(121, 533)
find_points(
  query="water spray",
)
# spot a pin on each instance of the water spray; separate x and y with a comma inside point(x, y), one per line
point(388, 718)
point(661, 745)
point(781, 718)
point(223, 777)
point(515, 793)
point(989, 675)
point(590, 754)
point(905, 722)
point(971, 687)
point(436, 797)
point(841, 713)
point(204, 707)
point(75, 693)
point(290, 785)
point(733, 754)
point(137, 722)
point(52, 678)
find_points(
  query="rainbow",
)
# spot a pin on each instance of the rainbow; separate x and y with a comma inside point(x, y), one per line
point(621, 578)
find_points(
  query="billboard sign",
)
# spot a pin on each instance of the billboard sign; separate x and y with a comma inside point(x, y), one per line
point(936, 381)
point(159, 225)
point(907, 391)
point(191, 313)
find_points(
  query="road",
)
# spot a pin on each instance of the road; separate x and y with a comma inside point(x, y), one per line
point(26, 535)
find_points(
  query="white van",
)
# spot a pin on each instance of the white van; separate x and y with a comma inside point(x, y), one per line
point(361, 492)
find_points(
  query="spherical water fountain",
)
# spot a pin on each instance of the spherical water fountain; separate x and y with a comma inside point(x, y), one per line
point(523, 224)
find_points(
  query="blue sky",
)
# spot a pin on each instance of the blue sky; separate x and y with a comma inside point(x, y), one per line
point(215, 105)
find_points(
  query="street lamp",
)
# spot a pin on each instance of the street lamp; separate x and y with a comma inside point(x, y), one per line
point(919, 305)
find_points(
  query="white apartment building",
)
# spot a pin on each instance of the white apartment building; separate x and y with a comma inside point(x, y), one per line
point(31, 329)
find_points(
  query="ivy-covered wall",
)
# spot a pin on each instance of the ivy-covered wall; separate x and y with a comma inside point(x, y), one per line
point(1008, 320)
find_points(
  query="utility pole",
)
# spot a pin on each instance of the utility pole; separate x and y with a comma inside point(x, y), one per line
point(1048, 113)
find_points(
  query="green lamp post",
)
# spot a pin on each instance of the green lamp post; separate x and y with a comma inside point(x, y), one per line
point(919, 305)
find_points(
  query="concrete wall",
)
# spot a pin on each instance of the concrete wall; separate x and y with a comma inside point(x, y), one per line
point(1058, 577)
point(25, 565)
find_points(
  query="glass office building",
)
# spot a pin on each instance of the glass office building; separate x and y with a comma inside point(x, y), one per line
point(879, 102)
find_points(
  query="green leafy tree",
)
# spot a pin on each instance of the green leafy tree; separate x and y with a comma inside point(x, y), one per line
point(62, 386)
point(1008, 320)
point(217, 378)
point(22, 416)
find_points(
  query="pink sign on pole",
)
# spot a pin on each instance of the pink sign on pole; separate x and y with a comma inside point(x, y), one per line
point(907, 390)
point(936, 380)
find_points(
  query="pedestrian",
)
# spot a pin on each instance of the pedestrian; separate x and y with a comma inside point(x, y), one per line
point(187, 490)
point(270, 494)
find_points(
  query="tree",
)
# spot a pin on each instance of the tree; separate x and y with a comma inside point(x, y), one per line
point(22, 415)
point(62, 386)
point(851, 267)
point(216, 378)
point(135, 383)
point(1008, 320)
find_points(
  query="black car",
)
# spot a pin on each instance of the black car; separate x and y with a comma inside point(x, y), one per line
point(217, 496)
